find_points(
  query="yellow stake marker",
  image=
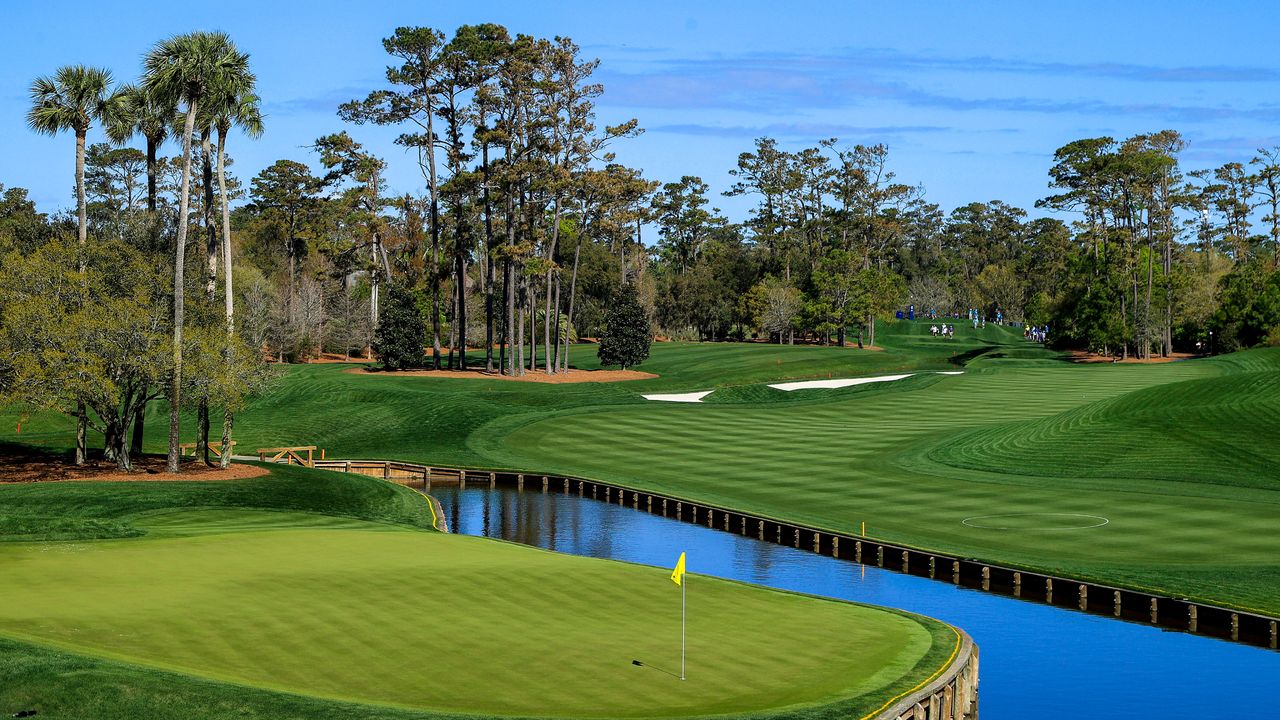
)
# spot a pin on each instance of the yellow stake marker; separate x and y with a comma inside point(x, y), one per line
point(864, 528)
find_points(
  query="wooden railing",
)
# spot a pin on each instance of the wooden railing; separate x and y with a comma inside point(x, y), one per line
point(214, 447)
point(288, 455)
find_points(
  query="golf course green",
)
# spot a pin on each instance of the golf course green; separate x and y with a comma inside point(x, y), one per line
point(1175, 457)
point(314, 594)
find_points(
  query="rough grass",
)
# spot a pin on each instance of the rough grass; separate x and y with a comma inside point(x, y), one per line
point(420, 624)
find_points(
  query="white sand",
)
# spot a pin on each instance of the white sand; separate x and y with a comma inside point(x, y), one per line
point(950, 372)
point(679, 397)
point(844, 382)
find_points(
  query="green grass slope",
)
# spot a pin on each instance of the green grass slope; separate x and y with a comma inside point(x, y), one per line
point(1214, 430)
point(304, 610)
point(1173, 456)
point(99, 510)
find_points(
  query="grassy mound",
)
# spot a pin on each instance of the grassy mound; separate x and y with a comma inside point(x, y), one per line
point(99, 510)
point(234, 612)
point(1216, 430)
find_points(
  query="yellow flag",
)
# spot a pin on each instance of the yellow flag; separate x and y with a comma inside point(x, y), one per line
point(677, 575)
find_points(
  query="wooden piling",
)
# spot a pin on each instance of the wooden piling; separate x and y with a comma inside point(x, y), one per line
point(760, 530)
point(817, 543)
point(1084, 597)
point(835, 546)
point(906, 562)
point(1235, 626)
point(1275, 636)
point(664, 507)
point(857, 551)
point(1193, 621)
point(493, 480)
point(1017, 584)
point(933, 567)
point(1155, 611)
point(955, 571)
point(1048, 590)
point(986, 578)
point(797, 543)
point(1117, 603)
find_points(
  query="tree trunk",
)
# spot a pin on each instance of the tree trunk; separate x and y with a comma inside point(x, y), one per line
point(151, 176)
point(433, 272)
point(555, 334)
point(551, 259)
point(210, 226)
point(461, 318)
point(139, 420)
point(573, 285)
point(82, 235)
point(488, 258)
point(228, 294)
point(518, 356)
point(124, 462)
point(202, 431)
point(184, 200)
point(82, 206)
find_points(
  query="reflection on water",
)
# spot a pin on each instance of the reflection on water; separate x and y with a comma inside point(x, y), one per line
point(1037, 661)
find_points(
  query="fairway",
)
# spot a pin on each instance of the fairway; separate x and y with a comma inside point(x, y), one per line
point(1177, 458)
point(373, 613)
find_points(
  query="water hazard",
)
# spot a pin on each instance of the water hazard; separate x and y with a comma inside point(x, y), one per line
point(1037, 661)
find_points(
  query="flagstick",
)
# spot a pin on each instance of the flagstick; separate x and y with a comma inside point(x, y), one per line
point(683, 579)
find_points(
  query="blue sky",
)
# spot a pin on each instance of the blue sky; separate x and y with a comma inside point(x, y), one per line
point(972, 98)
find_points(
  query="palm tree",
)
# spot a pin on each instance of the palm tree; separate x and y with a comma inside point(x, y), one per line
point(185, 69)
point(147, 115)
point(72, 99)
point(240, 110)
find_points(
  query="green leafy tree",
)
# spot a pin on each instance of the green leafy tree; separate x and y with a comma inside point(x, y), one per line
point(627, 334)
point(72, 99)
point(288, 191)
point(96, 337)
point(398, 340)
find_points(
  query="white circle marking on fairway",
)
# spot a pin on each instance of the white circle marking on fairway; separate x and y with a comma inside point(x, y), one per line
point(1100, 521)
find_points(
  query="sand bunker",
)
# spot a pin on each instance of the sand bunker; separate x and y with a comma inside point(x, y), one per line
point(837, 383)
point(849, 382)
point(692, 397)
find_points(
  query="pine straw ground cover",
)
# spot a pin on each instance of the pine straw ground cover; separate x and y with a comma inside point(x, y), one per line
point(313, 594)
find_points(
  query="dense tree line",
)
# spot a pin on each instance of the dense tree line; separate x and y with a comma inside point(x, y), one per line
point(528, 235)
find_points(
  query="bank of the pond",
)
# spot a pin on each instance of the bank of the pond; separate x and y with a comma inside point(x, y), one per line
point(1137, 605)
point(1044, 661)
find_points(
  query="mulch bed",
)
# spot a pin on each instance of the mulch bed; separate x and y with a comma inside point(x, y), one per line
point(25, 466)
point(537, 376)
